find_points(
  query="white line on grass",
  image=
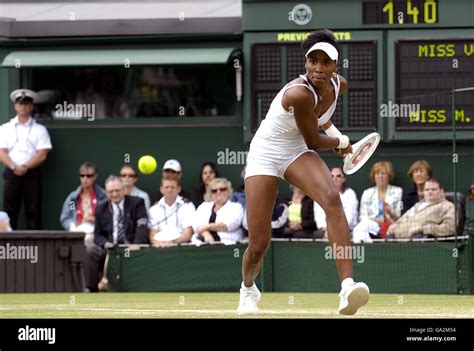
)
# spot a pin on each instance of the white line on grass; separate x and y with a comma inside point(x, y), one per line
point(386, 314)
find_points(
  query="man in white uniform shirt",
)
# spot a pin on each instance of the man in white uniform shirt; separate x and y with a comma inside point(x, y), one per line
point(171, 218)
point(24, 146)
point(349, 201)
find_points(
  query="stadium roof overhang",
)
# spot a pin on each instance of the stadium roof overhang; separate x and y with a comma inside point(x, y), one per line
point(133, 27)
point(72, 18)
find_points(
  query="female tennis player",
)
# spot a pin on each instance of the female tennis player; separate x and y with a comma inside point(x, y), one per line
point(285, 146)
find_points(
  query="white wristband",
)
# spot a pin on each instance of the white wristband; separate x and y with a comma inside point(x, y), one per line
point(332, 131)
point(343, 142)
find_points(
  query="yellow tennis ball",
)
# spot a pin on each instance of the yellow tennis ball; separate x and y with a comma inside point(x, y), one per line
point(147, 164)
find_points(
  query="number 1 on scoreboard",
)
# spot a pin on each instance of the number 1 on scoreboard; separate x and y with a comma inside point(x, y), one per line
point(389, 8)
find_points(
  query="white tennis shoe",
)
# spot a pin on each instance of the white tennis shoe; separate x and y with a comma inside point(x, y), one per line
point(249, 298)
point(353, 297)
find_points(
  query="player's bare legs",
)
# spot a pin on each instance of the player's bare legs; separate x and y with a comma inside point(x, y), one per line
point(311, 174)
point(260, 192)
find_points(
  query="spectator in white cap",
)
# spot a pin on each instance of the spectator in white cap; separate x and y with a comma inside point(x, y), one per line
point(4, 222)
point(172, 168)
point(24, 146)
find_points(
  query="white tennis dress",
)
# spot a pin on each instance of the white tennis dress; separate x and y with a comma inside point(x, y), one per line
point(278, 141)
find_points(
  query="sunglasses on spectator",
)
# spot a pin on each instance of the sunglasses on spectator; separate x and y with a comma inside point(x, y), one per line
point(337, 175)
point(219, 189)
point(124, 175)
point(86, 175)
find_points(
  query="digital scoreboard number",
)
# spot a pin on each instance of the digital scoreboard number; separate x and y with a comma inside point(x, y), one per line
point(400, 12)
point(426, 73)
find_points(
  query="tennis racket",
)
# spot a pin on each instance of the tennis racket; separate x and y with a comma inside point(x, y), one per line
point(361, 152)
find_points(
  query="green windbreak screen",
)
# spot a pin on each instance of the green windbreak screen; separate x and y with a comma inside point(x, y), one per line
point(414, 267)
point(45, 58)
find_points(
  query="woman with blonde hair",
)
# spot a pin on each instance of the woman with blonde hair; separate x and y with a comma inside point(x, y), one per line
point(379, 205)
point(219, 219)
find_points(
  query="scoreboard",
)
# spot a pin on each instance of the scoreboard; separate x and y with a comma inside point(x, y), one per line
point(423, 68)
point(427, 71)
point(400, 12)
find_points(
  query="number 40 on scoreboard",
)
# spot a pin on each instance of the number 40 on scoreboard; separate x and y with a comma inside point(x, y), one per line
point(401, 12)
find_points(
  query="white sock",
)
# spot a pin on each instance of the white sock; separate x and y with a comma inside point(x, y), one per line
point(244, 287)
point(346, 282)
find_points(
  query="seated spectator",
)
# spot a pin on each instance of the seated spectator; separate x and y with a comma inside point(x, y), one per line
point(379, 205)
point(419, 172)
point(78, 212)
point(459, 201)
point(207, 173)
point(120, 220)
point(171, 218)
point(470, 192)
point(172, 168)
point(432, 216)
point(300, 215)
point(469, 221)
point(129, 179)
point(4, 222)
point(219, 219)
point(348, 199)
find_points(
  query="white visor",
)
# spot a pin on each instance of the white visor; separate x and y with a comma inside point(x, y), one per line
point(329, 49)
